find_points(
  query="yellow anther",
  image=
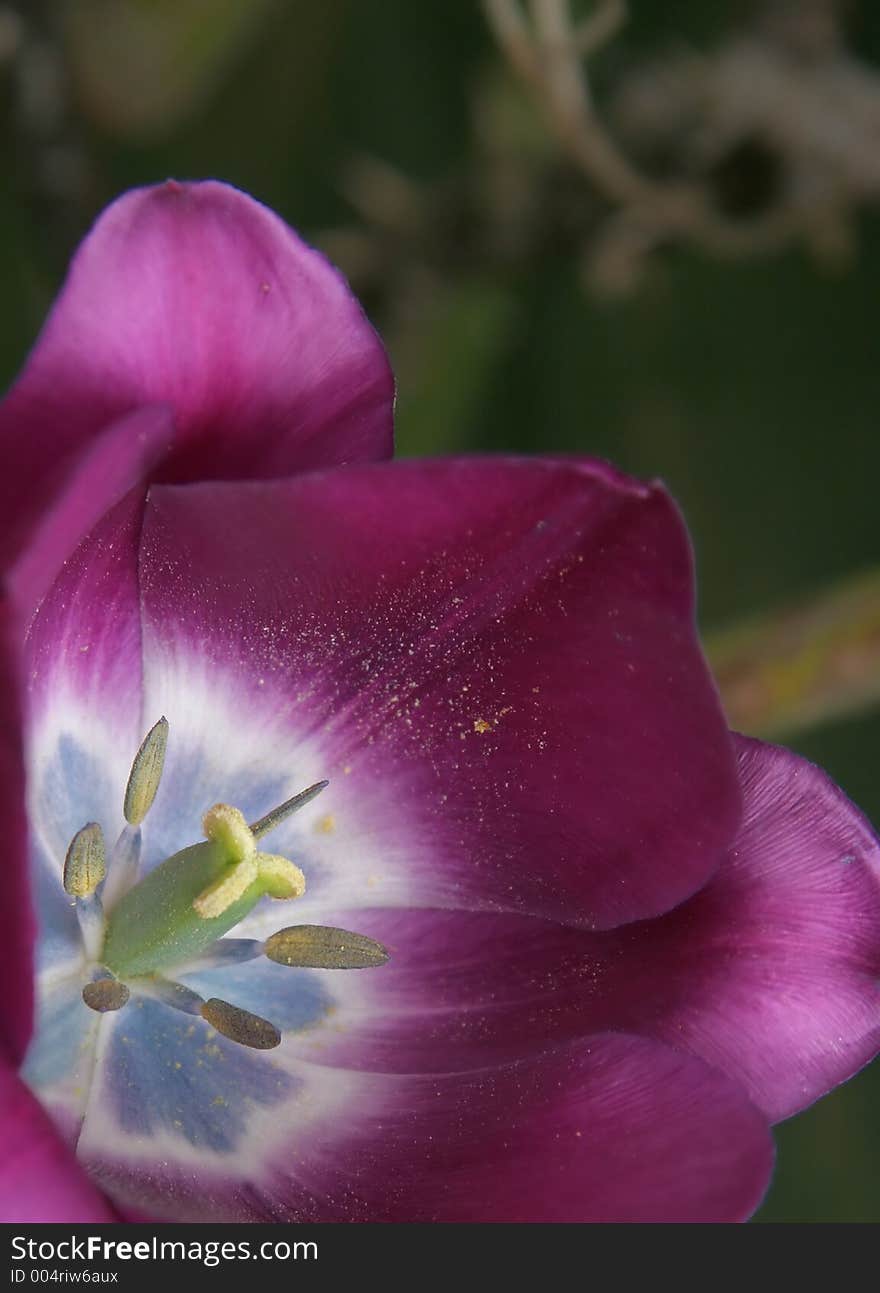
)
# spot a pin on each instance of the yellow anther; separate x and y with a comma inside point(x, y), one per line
point(220, 895)
point(146, 773)
point(324, 948)
point(86, 863)
point(227, 827)
point(281, 878)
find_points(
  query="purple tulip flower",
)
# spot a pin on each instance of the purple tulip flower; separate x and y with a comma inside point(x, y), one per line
point(622, 942)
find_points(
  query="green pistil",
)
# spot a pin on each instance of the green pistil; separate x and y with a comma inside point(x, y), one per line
point(193, 898)
point(156, 924)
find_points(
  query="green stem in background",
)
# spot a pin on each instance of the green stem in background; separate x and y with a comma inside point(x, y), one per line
point(803, 666)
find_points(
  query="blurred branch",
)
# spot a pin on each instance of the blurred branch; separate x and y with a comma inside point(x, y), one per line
point(548, 57)
point(797, 668)
point(784, 97)
point(601, 26)
point(548, 61)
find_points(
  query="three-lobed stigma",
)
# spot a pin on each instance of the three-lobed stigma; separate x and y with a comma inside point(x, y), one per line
point(135, 930)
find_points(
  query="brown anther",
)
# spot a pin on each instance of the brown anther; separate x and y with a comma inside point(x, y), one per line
point(240, 1025)
point(105, 994)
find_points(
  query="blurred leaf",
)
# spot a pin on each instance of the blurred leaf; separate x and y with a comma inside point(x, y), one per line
point(445, 365)
point(803, 666)
point(141, 65)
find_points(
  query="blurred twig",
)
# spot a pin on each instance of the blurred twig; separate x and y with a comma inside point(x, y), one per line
point(549, 60)
point(784, 91)
point(803, 666)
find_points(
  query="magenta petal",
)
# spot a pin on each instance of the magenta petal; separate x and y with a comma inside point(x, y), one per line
point(17, 927)
point(81, 690)
point(772, 973)
point(616, 1129)
point(195, 296)
point(77, 496)
point(462, 990)
point(82, 652)
point(39, 1177)
point(502, 652)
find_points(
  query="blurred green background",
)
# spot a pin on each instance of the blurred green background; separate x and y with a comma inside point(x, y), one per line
point(392, 133)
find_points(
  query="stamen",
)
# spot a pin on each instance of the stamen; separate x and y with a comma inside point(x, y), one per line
point(146, 773)
point(285, 810)
point(240, 1025)
point(281, 877)
point(170, 994)
point(233, 1022)
point(320, 947)
point(90, 915)
point(226, 951)
point(123, 867)
point(86, 862)
point(220, 895)
point(105, 993)
point(84, 869)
